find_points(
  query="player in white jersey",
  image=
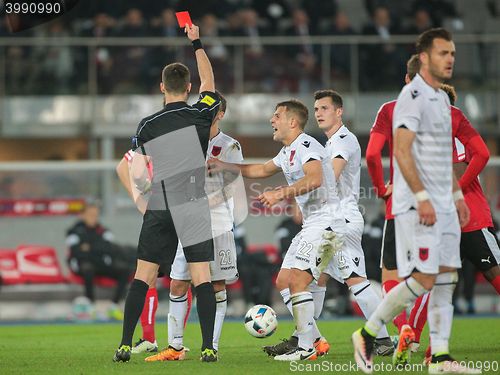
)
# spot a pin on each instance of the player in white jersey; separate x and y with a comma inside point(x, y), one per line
point(347, 265)
point(426, 200)
point(311, 182)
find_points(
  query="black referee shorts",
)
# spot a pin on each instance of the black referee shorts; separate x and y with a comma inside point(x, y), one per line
point(481, 248)
point(158, 241)
point(388, 258)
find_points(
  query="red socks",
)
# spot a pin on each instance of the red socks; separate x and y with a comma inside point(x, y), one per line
point(399, 320)
point(418, 315)
point(148, 315)
point(496, 284)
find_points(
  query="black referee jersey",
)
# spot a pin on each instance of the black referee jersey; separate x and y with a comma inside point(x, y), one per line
point(176, 140)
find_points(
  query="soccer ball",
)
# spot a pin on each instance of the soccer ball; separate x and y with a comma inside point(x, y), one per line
point(260, 321)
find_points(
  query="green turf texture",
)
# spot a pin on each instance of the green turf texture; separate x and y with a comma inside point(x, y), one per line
point(88, 349)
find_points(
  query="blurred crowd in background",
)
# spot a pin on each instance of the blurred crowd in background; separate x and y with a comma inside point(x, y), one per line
point(134, 69)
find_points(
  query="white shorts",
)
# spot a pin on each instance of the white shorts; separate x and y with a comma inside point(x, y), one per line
point(350, 259)
point(304, 248)
point(223, 267)
point(423, 248)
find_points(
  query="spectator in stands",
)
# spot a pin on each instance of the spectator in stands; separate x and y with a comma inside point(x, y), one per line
point(102, 25)
point(130, 78)
point(303, 54)
point(92, 253)
point(271, 12)
point(437, 9)
point(56, 63)
point(341, 53)
point(381, 63)
point(421, 22)
point(319, 12)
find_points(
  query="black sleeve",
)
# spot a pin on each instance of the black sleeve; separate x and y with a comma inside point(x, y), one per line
point(208, 105)
point(140, 136)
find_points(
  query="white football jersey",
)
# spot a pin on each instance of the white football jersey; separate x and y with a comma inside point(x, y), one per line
point(345, 144)
point(226, 149)
point(321, 201)
point(426, 112)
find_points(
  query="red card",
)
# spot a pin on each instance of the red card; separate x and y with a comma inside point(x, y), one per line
point(183, 19)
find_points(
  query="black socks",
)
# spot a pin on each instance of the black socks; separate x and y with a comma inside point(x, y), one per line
point(206, 307)
point(133, 309)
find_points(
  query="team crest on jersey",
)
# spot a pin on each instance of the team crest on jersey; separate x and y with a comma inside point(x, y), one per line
point(423, 253)
point(292, 155)
point(216, 150)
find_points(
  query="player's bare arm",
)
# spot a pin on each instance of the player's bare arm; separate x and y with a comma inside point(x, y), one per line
point(462, 209)
point(207, 81)
point(403, 140)
point(124, 176)
point(247, 170)
point(312, 179)
point(338, 164)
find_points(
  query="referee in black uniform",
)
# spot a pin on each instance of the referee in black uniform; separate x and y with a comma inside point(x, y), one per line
point(175, 141)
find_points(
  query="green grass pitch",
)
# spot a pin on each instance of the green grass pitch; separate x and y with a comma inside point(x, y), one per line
point(88, 349)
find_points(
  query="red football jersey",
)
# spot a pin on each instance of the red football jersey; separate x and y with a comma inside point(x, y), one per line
point(383, 125)
point(463, 132)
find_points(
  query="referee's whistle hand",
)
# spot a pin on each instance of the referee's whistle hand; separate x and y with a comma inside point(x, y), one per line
point(192, 32)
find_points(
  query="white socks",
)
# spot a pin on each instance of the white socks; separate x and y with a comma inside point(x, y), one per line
point(303, 314)
point(177, 312)
point(368, 301)
point(220, 313)
point(440, 312)
point(397, 299)
point(318, 294)
point(285, 294)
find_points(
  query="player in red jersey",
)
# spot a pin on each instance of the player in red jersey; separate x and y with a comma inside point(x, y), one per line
point(478, 243)
point(380, 134)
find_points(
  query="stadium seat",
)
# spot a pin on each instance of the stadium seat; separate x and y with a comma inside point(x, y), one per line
point(39, 264)
point(8, 267)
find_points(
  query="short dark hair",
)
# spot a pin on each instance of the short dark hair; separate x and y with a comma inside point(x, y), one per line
point(426, 39)
point(297, 108)
point(223, 101)
point(413, 66)
point(450, 91)
point(176, 78)
point(332, 94)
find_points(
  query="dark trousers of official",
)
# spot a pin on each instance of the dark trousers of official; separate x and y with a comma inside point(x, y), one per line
point(88, 271)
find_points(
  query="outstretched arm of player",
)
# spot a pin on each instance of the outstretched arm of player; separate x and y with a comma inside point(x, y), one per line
point(247, 170)
point(313, 176)
point(374, 162)
point(462, 209)
point(205, 71)
point(403, 140)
